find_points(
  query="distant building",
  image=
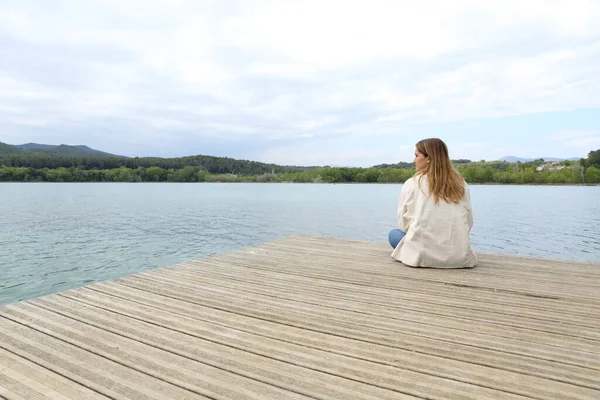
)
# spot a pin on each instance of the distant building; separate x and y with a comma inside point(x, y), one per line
point(551, 166)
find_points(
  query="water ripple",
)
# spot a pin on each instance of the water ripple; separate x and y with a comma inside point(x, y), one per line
point(58, 236)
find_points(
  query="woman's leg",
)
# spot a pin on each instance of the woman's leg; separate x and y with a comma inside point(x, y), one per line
point(395, 237)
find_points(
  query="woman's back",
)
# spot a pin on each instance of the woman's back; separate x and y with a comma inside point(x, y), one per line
point(437, 234)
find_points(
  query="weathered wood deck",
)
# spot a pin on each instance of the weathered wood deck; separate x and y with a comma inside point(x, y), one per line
point(312, 318)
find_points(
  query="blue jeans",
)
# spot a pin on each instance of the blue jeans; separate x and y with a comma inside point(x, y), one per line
point(395, 237)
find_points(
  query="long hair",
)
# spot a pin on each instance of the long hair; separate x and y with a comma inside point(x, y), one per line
point(444, 181)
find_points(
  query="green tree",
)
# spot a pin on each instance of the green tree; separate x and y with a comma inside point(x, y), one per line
point(21, 174)
point(393, 175)
point(369, 175)
point(63, 175)
point(527, 175)
point(267, 177)
point(507, 177)
point(331, 175)
point(592, 175)
point(477, 173)
point(594, 158)
point(155, 174)
point(203, 176)
point(5, 173)
point(186, 174)
point(225, 178)
point(123, 174)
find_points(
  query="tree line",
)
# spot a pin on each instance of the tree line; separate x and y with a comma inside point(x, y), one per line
point(217, 169)
point(212, 164)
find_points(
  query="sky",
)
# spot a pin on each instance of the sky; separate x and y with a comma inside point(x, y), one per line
point(308, 82)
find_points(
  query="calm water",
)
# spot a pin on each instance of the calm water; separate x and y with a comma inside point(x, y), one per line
point(59, 236)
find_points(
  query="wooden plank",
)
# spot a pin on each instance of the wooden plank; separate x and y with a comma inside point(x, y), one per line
point(29, 380)
point(353, 348)
point(458, 330)
point(331, 336)
point(89, 369)
point(313, 317)
point(421, 281)
point(355, 297)
point(367, 272)
point(197, 377)
point(184, 342)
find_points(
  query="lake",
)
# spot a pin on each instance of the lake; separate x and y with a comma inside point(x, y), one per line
point(55, 237)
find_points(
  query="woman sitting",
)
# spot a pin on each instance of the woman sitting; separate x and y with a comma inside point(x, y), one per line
point(434, 213)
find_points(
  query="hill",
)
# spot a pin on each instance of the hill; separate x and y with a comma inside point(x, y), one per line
point(7, 149)
point(53, 150)
point(38, 156)
point(35, 146)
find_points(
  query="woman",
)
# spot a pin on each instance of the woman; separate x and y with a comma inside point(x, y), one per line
point(434, 213)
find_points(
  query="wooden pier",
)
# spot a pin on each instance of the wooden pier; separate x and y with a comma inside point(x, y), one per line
point(312, 318)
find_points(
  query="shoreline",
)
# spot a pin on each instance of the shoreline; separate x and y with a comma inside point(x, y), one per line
point(319, 183)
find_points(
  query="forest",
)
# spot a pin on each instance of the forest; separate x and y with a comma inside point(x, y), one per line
point(53, 168)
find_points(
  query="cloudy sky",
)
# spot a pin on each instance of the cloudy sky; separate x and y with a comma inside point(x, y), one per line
point(303, 82)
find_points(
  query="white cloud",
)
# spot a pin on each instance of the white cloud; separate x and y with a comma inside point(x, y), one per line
point(306, 69)
point(334, 34)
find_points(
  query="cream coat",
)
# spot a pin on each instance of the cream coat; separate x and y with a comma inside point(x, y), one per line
point(437, 235)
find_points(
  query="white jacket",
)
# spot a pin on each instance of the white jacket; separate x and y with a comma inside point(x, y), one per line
point(437, 235)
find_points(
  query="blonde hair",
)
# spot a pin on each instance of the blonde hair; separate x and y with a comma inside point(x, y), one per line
point(444, 181)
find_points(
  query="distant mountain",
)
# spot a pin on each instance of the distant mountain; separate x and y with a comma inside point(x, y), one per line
point(524, 160)
point(35, 146)
point(7, 149)
point(53, 150)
